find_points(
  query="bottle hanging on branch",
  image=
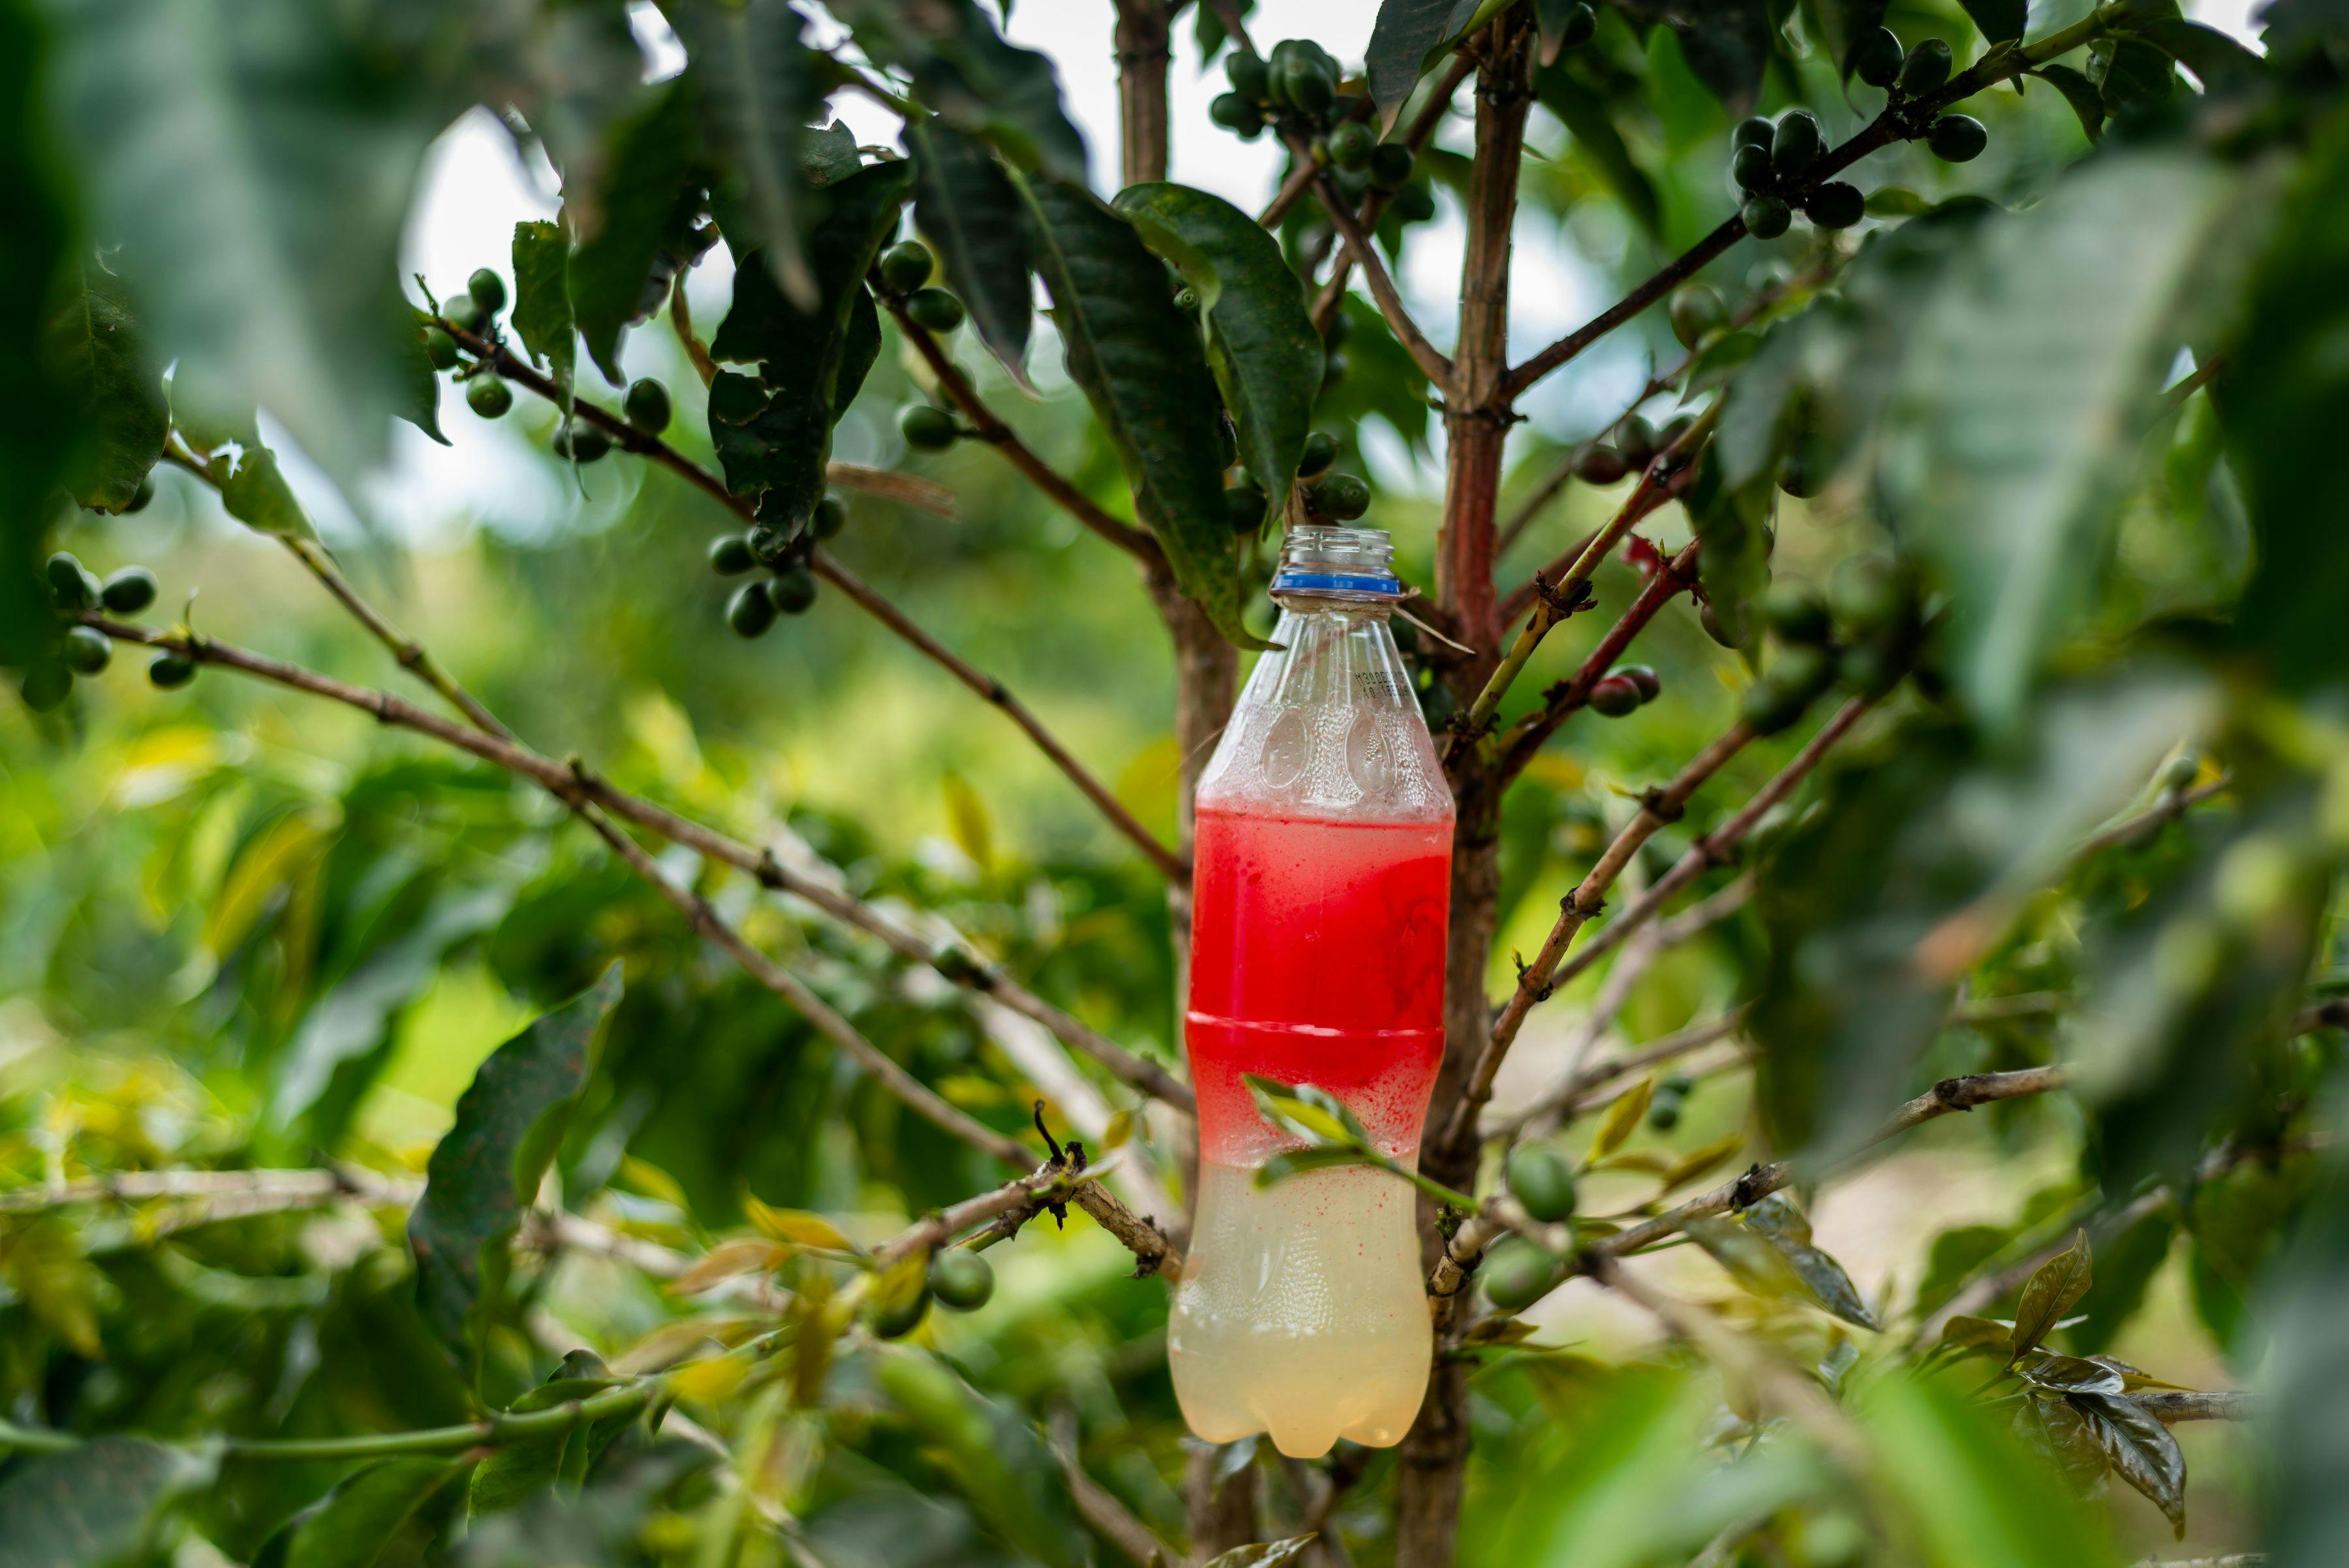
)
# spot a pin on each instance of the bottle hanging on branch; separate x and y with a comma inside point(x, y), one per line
point(1318, 899)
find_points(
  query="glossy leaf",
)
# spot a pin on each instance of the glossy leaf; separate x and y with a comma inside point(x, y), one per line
point(1140, 362)
point(542, 298)
point(1965, 1489)
point(965, 73)
point(1998, 20)
point(1264, 1554)
point(485, 1171)
point(95, 1505)
point(352, 1525)
point(973, 216)
point(1778, 1222)
point(2027, 390)
point(1844, 22)
point(2080, 93)
point(643, 207)
point(94, 351)
point(2140, 1451)
point(2051, 1291)
point(1260, 340)
point(2069, 1374)
point(757, 86)
point(1970, 1335)
point(1402, 38)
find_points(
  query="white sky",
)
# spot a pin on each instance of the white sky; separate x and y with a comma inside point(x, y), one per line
point(474, 190)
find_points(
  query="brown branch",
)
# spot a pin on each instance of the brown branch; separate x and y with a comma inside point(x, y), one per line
point(985, 426)
point(1898, 122)
point(1524, 738)
point(1430, 360)
point(993, 691)
point(1657, 808)
point(1582, 1088)
point(570, 780)
point(2141, 826)
point(1415, 136)
point(1100, 1508)
point(681, 318)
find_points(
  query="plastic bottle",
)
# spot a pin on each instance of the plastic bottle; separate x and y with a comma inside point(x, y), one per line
point(1319, 894)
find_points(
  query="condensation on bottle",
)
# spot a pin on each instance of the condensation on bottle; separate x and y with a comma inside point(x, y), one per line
point(1319, 892)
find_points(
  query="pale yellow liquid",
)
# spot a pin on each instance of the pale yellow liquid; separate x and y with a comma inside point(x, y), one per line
point(1302, 1313)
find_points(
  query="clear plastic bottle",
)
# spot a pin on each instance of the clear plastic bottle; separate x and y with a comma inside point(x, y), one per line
point(1319, 898)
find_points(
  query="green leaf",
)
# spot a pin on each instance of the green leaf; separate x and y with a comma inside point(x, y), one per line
point(518, 1471)
point(351, 1526)
point(2080, 93)
point(1305, 1162)
point(2307, 1442)
point(485, 1171)
point(255, 167)
point(255, 493)
point(973, 218)
point(1305, 1111)
point(96, 1505)
point(2049, 1292)
point(421, 405)
point(1264, 1554)
point(1140, 362)
point(965, 73)
point(1970, 1335)
point(1785, 1227)
point(2128, 71)
point(1260, 340)
point(1622, 1120)
point(1725, 42)
point(1405, 33)
point(1012, 1483)
point(1587, 119)
point(2125, 1266)
point(1998, 20)
point(36, 424)
point(541, 301)
point(2140, 1451)
point(2070, 1373)
point(635, 223)
point(757, 86)
point(2218, 61)
point(774, 434)
point(1965, 1489)
point(94, 351)
point(2026, 399)
point(1843, 24)
point(1732, 560)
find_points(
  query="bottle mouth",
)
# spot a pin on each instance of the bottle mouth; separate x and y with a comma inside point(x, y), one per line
point(1329, 561)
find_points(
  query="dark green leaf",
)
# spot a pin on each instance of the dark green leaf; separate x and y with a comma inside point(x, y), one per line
point(421, 406)
point(2308, 1367)
point(2080, 93)
point(485, 1171)
point(1405, 33)
point(1260, 340)
point(967, 205)
point(2125, 1265)
point(1726, 42)
point(1385, 384)
point(1012, 1481)
point(2049, 1292)
point(541, 297)
point(2128, 71)
point(2025, 400)
point(1587, 119)
point(94, 352)
point(351, 1525)
point(1998, 20)
point(829, 156)
point(2069, 1374)
point(37, 425)
point(1264, 1554)
point(758, 88)
point(255, 493)
point(1970, 1335)
point(965, 73)
point(95, 1506)
point(2139, 1449)
point(602, 1526)
point(1784, 1226)
point(1957, 1256)
point(518, 1471)
point(2218, 61)
point(643, 210)
point(1844, 22)
point(2058, 1425)
point(1970, 1489)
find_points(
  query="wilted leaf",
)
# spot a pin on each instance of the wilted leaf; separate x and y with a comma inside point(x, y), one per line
point(485, 1172)
point(1264, 1554)
point(94, 351)
point(2059, 1283)
point(973, 216)
point(95, 1505)
point(2141, 1449)
point(351, 1525)
point(796, 1227)
point(1622, 1118)
point(1784, 1226)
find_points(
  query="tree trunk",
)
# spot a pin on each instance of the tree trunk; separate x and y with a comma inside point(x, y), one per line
point(1477, 416)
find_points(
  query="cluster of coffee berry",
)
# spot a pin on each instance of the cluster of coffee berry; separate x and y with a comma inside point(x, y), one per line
point(74, 590)
point(1877, 61)
point(904, 270)
point(474, 311)
point(1328, 497)
point(791, 587)
point(1864, 633)
point(1637, 444)
point(1302, 84)
point(956, 1278)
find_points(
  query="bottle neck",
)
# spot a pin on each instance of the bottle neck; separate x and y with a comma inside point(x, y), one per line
point(1323, 567)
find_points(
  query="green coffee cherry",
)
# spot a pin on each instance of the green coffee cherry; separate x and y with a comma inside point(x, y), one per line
point(831, 516)
point(926, 427)
point(647, 406)
point(1601, 465)
point(1351, 146)
point(1321, 452)
point(961, 1278)
point(792, 590)
point(1335, 367)
point(1413, 204)
point(1799, 475)
point(730, 554)
point(1869, 668)
point(1390, 166)
point(1794, 611)
point(1875, 59)
point(1643, 679)
point(580, 442)
point(1755, 130)
point(465, 313)
point(1696, 313)
point(489, 397)
point(1542, 1181)
point(905, 266)
point(1679, 1084)
point(1798, 673)
point(1341, 497)
point(1958, 138)
point(1664, 1111)
point(1636, 437)
point(1244, 505)
point(1248, 76)
point(749, 611)
point(69, 583)
point(1925, 69)
point(488, 289)
point(45, 685)
point(1766, 217)
point(1306, 81)
point(1708, 619)
point(1797, 144)
point(2179, 772)
point(1868, 595)
point(146, 491)
point(934, 309)
point(1580, 26)
point(1614, 697)
point(1235, 112)
point(88, 651)
point(128, 591)
point(896, 1319)
point(1517, 1274)
point(170, 670)
point(1750, 167)
point(440, 348)
point(1835, 205)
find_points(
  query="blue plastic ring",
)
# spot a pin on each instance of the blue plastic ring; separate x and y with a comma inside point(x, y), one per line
point(1338, 582)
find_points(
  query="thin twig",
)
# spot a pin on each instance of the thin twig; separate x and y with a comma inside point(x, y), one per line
point(1415, 136)
point(1430, 360)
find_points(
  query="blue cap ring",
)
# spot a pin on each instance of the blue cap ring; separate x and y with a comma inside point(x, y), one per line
point(1382, 584)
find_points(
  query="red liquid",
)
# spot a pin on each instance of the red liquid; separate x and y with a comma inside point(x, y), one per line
point(1316, 957)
